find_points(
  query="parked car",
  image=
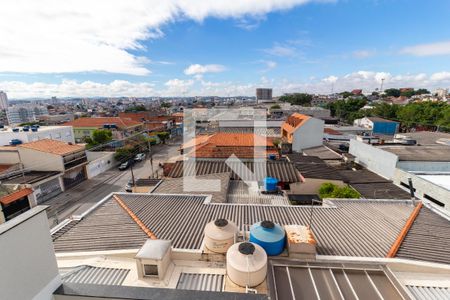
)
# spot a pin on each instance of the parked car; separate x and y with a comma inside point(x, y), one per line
point(129, 186)
point(139, 157)
point(125, 165)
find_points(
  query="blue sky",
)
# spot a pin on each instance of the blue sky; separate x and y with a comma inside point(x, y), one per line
point(221, 48)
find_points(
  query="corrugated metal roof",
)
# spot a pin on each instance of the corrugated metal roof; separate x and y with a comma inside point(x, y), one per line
point(323, 153)
point(263, 131)
point(282, 170)
point(94, 275)
point(176, 186)
point(429, 292)
point(380, 190)
point(427, 239)
point(201, 282)
point(361, 176)
point(108, 228)
point(318, 171)
point(239, 192)
point(351, 228)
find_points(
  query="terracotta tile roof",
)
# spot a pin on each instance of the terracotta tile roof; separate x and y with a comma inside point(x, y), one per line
point(224, 144)
point(5, 200)
point(52, 146)
point(331, 131)
point(293, 122)
point(4, 167)
point(99, 122)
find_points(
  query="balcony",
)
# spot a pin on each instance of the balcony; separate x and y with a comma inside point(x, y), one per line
point(74, 160)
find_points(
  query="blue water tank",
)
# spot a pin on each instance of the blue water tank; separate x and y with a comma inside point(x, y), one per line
point(272, 156)
point(270, 184)
point(270, 236)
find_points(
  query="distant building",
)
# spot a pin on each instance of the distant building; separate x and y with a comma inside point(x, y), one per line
point(264, 95)
point(357, 92)
point(441, 93)
point(120, 127)
point(3, 101)
point(24, 114)
point(26, 134)
point(302, 131)
point(378, 125)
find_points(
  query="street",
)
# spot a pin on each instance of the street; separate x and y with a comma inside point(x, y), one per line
point(79, 199)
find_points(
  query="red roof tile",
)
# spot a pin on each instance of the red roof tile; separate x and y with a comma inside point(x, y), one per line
point(99, 122)
point(52, 146)
point(5, 200)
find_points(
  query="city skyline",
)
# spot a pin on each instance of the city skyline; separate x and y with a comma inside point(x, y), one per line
point(184, 48)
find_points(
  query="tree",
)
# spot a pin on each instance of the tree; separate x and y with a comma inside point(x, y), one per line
point(275, 106)
point(346, 94)
point(163, 136)
point(348, 109)
point(422, 92)
point(101, 136)
point(136, 108)
point(330, 190)
point(408, 93)
point(123, 154)
point(297, 99)
point(392, 92)
point(166, 105)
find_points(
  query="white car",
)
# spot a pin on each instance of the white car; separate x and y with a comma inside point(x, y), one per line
point(139, 157)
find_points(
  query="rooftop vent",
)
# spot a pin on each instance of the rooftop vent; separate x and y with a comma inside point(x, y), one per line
point(153, 259)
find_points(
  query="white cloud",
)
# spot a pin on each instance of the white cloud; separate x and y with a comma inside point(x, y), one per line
point(440, 48)
point(363, 53)
point(281, 50)
point(270, 64)
point(202, 69)
point(366, 80)
point(49, 36)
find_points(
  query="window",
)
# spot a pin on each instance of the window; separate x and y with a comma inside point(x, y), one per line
point(150, 270)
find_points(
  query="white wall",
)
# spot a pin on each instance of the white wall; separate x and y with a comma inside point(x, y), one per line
point(98, 163)
point(9, 157)
point(28, 263)
point(423, 187)
point(363, 122)
point(60, 133)
point(375, 159)
point(310, 134)
point(40, 161)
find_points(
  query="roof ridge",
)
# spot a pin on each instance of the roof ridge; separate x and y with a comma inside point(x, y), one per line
point(401, 237)
point(135, 218)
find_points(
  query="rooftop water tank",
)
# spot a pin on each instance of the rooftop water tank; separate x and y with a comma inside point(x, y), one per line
point(15, 142)
point(246, 264)
point(268, 235)
point(270, 184)
point(220, 235)
point(272, 156)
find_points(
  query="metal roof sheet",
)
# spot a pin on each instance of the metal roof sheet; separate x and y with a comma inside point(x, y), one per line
point(427, 239)
point(282, 170)
point(239, 192)
point(350, 228)
point(429, 292)
point(94, 275)
point(201, 282)
point(361, 176)
point(380, 190)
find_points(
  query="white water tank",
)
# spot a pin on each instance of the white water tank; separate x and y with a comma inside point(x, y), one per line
point(246, 264)
point(220, 235)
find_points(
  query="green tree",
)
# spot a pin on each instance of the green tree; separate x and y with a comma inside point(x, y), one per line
point(330, 190)
point(163, 136)
point(392, 92)
point(297, 99)
point(101, 136)
point(135, 108)
point(346, 94)
point(166, 105)
point(123, 154)
point(408, 93)
point(422, 92)
point(275, 106)
point(348, 109)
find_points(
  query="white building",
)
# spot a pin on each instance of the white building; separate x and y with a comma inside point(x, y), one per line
point(59, 133)
point(302, 131)
point(3, 101)
point(23, 114)
point(441, 93)
point(427, 166)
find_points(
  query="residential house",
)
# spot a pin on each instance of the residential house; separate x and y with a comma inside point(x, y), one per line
point(14, 202)
point(120, 127)
point(51, 155)
point(25, 134)
point(378, 125)
point(302, 131)
point(151, 121)
point(223, 145)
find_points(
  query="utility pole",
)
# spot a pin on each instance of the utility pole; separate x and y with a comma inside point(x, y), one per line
point(381, 88)
point(132, 174)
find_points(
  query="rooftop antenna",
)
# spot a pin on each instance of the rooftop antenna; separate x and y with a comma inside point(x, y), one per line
point(311, 214)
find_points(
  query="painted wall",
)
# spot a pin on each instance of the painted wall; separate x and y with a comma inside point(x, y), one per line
point(423, 187)
point(388, 128)
point(60, 133)
point(375, 159)
point(9, 157)
point(99, 162)
point(29, 269)
point(308, 135)
point(40, 161)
